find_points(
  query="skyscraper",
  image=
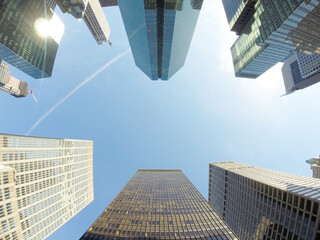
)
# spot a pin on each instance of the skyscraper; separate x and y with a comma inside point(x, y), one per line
point(11, 85)
point(159, 204)
point(265, 204)
point(97, 22)
point(270, 31)
point(301, 71)
point(315, 166)
point(43, 183)
point(160, 33)
point(20, 44)
point(108, 3)
point(75, 8)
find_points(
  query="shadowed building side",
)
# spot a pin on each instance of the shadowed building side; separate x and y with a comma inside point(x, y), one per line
point(108, 3)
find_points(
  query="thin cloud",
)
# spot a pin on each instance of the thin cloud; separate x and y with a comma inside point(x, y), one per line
point(80, 85)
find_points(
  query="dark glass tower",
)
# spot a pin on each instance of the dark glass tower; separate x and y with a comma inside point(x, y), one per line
point(20, 44)
point(159, 204)
point(160, 33)
point(263, 204)
point(270, 32)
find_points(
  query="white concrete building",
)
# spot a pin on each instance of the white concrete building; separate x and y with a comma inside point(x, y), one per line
point(44, 182)
point(260, 203)
point(97, 22)
point(11, 85)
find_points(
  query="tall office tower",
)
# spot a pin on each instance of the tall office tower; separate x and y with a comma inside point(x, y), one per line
point(20, 42)
point(10, 84)
point(97, 22)
point(44, 182)
point(270, 32)
point(160, 33)
point(301, 71)
point(159, 204)
point(108, 3)
point(315, 166)
point(52, 4)
point(75, 8)
point(263, 204)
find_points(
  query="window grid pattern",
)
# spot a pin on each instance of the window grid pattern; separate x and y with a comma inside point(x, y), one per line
point(20, 44)
point(160, 33)
point(159, 204)
point(272, 34)
point(52, 182)
point(276, 205)
point(97, 22)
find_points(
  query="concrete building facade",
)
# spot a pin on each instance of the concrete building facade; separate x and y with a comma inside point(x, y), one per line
point(263, 204)
point(44, 182)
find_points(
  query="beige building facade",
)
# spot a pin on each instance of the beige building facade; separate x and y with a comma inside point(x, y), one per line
point(44, 182)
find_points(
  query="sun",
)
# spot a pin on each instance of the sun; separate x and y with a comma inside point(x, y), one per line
point(53, 28)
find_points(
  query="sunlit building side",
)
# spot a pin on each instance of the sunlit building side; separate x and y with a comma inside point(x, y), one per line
point(11, 85)
point(21, 45)
point(97, 22)
point(160, 33)
point(159, 204)
point(44, 182)
point(264, 204)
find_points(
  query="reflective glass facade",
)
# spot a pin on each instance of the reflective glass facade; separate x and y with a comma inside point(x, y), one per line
point(20, 44)
point(159, 204)
point(270, 32)
point(160, 33)
point(265, 204)
point(43, 183)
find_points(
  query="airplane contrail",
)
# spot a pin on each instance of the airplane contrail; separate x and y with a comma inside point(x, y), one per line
point(80, 85)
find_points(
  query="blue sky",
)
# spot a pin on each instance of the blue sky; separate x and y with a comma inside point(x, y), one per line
point(202, 114)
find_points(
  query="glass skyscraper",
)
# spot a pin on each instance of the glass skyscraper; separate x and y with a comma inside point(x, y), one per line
point(20, 43)
point(159, 204)
point(263, 204)
point(160, 33)
point(44, 182)
point(270, 32)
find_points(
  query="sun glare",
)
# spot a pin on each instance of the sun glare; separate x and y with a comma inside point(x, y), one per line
point(53, 28)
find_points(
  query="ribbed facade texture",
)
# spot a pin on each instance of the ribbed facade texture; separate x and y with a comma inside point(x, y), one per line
point(20, 44)
point(263, 204)
point(270, 32)
point(159, 204)
point(44, 182)
point(160, 33)
point(97, 22)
